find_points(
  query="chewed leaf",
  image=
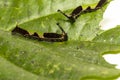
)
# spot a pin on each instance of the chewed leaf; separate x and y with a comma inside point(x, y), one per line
point(77, 58)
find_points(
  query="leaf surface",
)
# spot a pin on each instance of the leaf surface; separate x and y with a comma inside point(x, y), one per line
point(79, 58)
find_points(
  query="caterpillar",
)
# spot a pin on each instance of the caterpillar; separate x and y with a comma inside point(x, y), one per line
point(79, 10)
point(49, 37)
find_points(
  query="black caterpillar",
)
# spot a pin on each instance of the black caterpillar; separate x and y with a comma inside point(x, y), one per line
point(79, 10)
point(49, 37)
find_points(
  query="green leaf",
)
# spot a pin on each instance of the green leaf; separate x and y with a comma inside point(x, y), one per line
point(111, 36)
point(9, 71)
point(80, 58)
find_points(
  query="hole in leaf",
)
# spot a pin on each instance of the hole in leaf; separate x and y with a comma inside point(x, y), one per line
point(113, 59)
